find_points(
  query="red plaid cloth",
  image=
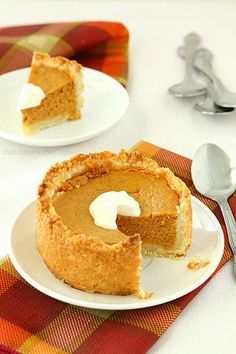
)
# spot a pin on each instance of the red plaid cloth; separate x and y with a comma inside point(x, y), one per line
point(98, 45)
point(32, 322)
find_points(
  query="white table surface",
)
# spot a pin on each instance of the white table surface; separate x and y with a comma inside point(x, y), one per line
point(208, 324)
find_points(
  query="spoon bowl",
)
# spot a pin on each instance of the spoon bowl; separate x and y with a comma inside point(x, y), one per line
point(213, 173)
point(226, 98)
point(214, 176)
point(187, 88)
point(209, 108)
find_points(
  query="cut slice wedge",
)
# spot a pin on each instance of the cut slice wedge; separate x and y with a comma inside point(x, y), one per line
point(61, 80)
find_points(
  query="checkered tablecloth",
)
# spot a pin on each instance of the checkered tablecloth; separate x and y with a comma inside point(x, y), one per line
point(98, 45)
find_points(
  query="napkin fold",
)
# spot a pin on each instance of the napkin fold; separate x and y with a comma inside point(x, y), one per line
point(31, 322)
point(98, 45)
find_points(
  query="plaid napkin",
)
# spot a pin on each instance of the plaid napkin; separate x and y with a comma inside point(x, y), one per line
point(32, 322)
point(98, 45)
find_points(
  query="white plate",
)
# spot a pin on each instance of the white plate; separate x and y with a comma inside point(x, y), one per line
point(169, 279)
point(106, 101)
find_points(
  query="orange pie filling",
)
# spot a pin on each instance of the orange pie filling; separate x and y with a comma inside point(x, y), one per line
point(157, 201)
point(96, 259)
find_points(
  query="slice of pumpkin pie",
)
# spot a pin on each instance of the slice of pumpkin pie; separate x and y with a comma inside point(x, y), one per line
point(53, 93)
point(91, 246)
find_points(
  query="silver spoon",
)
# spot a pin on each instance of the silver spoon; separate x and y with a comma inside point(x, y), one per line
point(222, 96)
point(215, 177)
point(207, 106)
point(189, 87)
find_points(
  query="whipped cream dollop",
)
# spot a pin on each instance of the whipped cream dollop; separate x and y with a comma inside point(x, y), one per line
point(105, 208)
point(30, 96)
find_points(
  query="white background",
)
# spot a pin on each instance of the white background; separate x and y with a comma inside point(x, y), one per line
point(208, 324)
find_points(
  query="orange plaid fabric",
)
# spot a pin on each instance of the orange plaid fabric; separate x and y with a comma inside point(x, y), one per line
point(98, 45)
point(31, 322)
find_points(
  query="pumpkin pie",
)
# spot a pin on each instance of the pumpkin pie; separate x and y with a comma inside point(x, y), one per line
point(95, 259)
point(61, 80)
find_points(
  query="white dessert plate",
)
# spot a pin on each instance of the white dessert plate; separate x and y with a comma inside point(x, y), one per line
point(169, 279)
point(105, 102)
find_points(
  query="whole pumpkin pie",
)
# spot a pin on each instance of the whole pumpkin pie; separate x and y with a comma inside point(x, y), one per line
point(95, 259)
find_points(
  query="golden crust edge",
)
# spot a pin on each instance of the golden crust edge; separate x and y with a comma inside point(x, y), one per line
point(72, 67)
point(107, 161)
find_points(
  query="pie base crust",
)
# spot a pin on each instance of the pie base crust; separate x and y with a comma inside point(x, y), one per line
point(86, 262)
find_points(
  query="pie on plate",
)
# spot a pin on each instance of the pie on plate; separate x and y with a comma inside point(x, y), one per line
point(95, 259)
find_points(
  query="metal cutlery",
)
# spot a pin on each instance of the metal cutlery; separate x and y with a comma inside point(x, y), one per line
point(189, 87)
point(206, 106)
point(222, 96)
point(214, 176)
point(209, 107)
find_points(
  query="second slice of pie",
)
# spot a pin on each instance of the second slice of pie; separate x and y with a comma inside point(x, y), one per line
point(61, 81)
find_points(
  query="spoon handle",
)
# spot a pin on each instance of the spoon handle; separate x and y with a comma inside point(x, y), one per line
point(202, 62)
point(181, 51)
point(230, 225)
point(191, 42)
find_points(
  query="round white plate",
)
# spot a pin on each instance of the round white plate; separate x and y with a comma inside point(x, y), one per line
point(105, 102)
point(169, 279)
